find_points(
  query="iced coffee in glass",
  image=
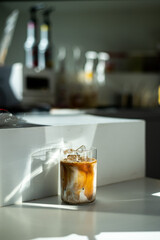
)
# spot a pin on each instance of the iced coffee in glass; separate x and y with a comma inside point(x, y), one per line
point(78, 172)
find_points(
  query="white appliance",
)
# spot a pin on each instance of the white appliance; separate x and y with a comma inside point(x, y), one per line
point(22, 86)
point(11, 85)
point(38, 86)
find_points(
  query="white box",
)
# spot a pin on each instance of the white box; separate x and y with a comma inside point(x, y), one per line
point(120, 144)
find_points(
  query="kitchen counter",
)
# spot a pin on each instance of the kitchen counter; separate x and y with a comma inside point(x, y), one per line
point(126, 210)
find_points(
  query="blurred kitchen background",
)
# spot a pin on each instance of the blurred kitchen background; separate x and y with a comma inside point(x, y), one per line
point(99, 56)
point(86, 54)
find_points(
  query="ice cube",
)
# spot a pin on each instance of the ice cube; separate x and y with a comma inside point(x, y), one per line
point(75, 158)
point(81, 149)
point(68, 151)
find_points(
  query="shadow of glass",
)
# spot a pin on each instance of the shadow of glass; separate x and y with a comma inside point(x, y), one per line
point(44, 175)
point(123, 198)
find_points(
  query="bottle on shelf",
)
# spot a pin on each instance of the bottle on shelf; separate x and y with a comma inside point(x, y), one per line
point(159, 95)
point(31, 43)
point(77, 60)
point(61, 80)
point(107, 96)
point(103, 57)
point(83, 93)
point(89, 67)
point(76, 84)
point(90, 90)
point(45, 45)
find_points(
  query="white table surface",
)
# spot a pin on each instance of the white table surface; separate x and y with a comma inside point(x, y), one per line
point(71, 119)
point(126, 210)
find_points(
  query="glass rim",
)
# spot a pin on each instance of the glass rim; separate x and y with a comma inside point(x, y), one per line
point(85, 150)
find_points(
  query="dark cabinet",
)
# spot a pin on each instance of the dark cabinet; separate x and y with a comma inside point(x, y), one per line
point(152, 138)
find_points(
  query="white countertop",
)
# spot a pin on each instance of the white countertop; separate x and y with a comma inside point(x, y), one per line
point(74, 118)
point(126, 210)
